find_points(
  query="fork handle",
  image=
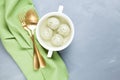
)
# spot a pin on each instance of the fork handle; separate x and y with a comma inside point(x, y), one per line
point(39, 56)
point(35, 62)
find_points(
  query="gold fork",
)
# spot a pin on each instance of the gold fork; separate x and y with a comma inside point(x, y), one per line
point(35, 58)
point(31, 19)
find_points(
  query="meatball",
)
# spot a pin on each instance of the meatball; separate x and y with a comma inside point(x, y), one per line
point(64, 30)
point(53, 23)
point(46, 33)
point(57, 40)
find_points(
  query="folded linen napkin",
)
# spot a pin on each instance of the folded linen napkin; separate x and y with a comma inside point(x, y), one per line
point(19, 45)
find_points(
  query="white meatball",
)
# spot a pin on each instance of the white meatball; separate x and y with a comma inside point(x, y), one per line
point(64, 30)
point(53, 23)
point(46, 33)
point(57, 40)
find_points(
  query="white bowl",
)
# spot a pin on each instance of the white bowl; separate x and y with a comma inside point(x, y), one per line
point(42, 42)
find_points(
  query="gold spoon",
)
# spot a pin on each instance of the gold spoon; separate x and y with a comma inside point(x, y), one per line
point(31, 20)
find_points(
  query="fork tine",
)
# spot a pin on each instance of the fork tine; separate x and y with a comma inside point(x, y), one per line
point(22, 19)
point(21, 16)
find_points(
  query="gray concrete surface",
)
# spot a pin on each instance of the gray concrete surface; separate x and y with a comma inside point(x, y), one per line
point(95, 51)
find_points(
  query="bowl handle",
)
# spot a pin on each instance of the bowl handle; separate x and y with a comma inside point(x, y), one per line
point(49, 55)
point(60, 9)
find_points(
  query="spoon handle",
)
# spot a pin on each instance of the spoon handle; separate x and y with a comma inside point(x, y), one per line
point(39, 56)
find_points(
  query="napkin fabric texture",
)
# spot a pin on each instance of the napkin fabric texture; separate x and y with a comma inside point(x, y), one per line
point(19, 45)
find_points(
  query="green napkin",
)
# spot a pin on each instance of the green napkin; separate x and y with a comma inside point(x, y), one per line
point(19, 45)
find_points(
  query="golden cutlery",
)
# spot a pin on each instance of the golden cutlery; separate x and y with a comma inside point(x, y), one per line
point(35, 59)
point(31, 20)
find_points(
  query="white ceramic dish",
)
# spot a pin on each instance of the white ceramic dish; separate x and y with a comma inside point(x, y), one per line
point(41, 41)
